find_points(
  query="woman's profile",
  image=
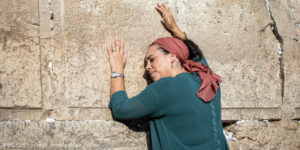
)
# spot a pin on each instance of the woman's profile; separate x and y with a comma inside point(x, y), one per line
point(183, 103)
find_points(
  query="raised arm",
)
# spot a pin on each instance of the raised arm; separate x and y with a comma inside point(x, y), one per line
point(170, 24)
point(169, 21)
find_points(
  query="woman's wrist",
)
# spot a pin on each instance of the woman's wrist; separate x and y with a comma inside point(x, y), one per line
point(179, 34)
point(118, 70)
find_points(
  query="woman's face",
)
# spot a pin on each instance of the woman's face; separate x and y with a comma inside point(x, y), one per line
point(157, 64)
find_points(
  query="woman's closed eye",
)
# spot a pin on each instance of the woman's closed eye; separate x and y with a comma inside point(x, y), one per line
point(151, 59)
point(147, 61)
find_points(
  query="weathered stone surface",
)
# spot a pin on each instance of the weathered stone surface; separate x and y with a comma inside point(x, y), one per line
point(57, 68)
point(251, 113)
point(58, 114)
point(75, 71)
point(228, 32)
point(294, 13)
point(69, 135)
point(20, 114)
point(19, 54)
point(256, 135)
point(286, 18)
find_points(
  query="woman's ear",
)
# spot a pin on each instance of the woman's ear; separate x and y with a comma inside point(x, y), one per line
point(173, 58)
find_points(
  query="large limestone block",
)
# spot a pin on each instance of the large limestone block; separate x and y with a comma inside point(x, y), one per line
point(231, 37)
point(76, 73)
point(259, 135)
point(294, 12)
point(20, 80)
point(20, 114)
point(228, 32)
point(287, 17)
point(75, 70)
point(69, 135)
point(59, 114)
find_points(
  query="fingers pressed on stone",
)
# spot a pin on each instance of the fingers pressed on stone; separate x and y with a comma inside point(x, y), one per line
point(169, 10)
point(159, 10)
point(122, 47)
point(117, 44)
point(113, 46)
point(164, 6)
point(108, 49)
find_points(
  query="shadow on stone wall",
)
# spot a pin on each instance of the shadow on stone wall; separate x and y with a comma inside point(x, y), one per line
point(141, 125)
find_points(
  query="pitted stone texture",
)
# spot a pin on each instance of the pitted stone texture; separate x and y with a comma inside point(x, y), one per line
point(20, 114)
point(69, 135)
point(76, 71)
point(294, 12)
point(228, 32)
point(63, 113)
point(251, 113)
point(256, 135)
point(80, 73)
point(19, 54)
point(285, 17)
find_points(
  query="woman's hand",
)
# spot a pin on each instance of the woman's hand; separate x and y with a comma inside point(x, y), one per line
point(117, 55)
point(169, 21)
point(167, 16)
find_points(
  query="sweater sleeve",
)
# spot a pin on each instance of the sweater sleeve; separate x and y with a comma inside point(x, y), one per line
point(148, 103)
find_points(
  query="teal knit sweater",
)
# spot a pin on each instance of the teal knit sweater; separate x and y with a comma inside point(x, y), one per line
point(179, 120)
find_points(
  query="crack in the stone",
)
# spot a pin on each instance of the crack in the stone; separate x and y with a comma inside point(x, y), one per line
point(33, 24)
point(280, 46)
point(41, 62)
point(4, 39)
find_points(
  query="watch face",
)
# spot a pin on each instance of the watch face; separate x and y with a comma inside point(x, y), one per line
point(116, 74)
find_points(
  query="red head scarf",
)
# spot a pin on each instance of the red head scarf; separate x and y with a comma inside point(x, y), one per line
point(209, 87)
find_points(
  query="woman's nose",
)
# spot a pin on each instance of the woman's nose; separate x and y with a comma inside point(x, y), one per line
point(148, 66)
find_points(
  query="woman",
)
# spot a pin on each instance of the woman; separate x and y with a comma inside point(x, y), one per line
point(183, 102)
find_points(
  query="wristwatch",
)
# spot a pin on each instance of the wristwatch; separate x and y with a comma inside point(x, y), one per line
point(117, 74)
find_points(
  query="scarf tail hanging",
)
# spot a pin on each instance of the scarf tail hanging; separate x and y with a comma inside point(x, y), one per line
point(209, 86)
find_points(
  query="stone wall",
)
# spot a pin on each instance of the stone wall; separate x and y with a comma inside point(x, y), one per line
point(96, 134)
point(263, 135)
point(53, 64)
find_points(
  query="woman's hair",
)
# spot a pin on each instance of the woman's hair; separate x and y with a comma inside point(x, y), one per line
point(194, 50)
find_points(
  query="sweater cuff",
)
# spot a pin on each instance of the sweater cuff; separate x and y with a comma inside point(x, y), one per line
point(116, 98)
